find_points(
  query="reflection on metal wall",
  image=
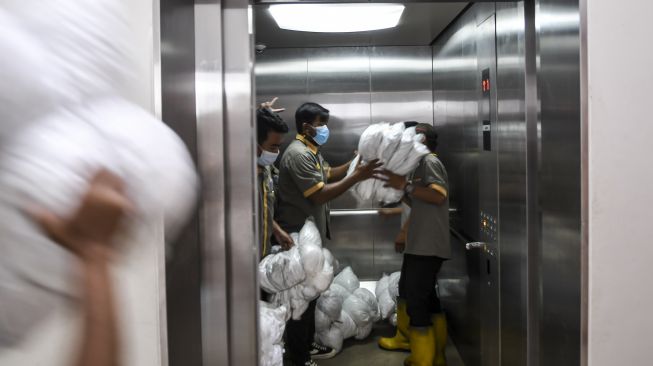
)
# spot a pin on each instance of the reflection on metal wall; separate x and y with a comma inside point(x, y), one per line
point(558, 48)
point(360, 86)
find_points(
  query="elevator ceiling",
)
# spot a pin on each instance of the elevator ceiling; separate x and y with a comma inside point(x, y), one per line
point(419, 25)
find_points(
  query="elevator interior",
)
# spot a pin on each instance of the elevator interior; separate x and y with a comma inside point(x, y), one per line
point(468, 77)
point(499, 81)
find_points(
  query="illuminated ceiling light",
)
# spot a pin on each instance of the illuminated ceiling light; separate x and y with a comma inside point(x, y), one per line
point(336, 18)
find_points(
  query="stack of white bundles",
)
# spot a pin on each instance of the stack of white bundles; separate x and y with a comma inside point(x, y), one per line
point(300, 275)
point(272, 324)
point(343, 314)
point(61, 122)
point(400, 150)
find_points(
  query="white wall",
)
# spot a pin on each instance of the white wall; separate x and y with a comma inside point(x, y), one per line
point(620, 58)
point(139, 273)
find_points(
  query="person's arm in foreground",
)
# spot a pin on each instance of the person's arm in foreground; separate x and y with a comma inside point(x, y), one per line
point(426, 194)
point(88, 234)
point(332, 190)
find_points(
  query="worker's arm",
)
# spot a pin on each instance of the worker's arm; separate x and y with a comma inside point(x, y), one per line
point(283, 238)
point(433, 193)
point(400, 240)
point(88, 235)
point(331, 191)
point(338, 173)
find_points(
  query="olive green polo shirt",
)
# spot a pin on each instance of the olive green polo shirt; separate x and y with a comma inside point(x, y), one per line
point(267, 201)
point(428, 230)
point(302, 172)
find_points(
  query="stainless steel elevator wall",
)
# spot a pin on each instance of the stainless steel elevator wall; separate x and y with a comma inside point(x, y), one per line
point(360, 86)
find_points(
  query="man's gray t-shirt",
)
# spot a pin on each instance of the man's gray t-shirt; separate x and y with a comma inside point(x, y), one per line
point(428, 230)
point(302, 172)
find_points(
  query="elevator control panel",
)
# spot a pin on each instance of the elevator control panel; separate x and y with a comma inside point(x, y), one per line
point(489, 227)
point(486, 87)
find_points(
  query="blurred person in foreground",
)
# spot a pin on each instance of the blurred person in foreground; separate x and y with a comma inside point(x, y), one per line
point(89, 235)
point(424, 240)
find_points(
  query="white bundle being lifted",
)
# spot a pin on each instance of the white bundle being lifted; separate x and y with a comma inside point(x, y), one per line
point(61, 122)
point(298, 276)
point(272, 325)
point(345, 311)
point(399, 149)
point(387, 290)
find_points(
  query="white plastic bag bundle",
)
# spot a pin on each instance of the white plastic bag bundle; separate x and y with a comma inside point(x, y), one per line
point(370, 140)
point(393, 284)
point(281, 271)
point(322, 321)
point(347, 325)
point(386, 302)
point(49, 163)
point(372, 304)
point(347, 279)
point(364, 331)
point(316, 263)
point(359, 310)
point(330, 302)
point(272, 325)
point(332, 337)
point(398, 148)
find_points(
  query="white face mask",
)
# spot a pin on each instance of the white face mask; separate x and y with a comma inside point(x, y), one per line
point(267, 158)
point(420, 138)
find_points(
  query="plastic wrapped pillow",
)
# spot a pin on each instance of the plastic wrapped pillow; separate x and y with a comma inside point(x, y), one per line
point(273, 323)
point(392, 136)
point(331, 302)
point(312, 258)
point(358, 310)
point(372, 304)
point(393, 284)
point(332, 337)
point(364, 331)
point(281, 271)
point(347, 279)
point(370, 140)
point(309, 234)
point(346, 325)
point(322, 321)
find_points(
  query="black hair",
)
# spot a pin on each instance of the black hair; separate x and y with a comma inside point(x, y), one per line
point(429, 132)
point(409, 124)
point(267, 121)
point(308, 112)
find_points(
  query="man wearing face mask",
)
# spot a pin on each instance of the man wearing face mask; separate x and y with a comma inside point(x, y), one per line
point(307, 183)
point(271, 130)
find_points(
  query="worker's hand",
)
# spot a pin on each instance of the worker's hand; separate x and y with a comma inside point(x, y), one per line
point(283, 239)
point(269, 105)
point(367, 170)
point(400, 242)
point(392, 180)
point(89, 231)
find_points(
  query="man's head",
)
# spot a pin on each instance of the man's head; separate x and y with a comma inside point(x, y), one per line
point(431, 137)
point(311, 120)
point(270, 129)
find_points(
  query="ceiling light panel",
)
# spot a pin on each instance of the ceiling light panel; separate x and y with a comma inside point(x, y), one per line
point(336, 18)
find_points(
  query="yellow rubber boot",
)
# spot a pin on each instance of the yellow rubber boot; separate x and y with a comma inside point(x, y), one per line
point(440, 332)
point(422, 347)
point(400, 341)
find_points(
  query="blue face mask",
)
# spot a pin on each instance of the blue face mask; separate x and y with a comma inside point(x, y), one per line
point(322, 135)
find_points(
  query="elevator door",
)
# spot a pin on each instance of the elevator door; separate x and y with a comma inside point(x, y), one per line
point(488, 216)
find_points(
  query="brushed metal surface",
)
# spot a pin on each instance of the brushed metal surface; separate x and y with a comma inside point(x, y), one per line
point(240, 176)
point(511, 145)
point(177, 109)
point(559, 185)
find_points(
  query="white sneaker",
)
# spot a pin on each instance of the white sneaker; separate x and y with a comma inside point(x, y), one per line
point(322, 352)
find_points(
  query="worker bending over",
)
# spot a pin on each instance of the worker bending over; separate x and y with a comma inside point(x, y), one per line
point(424, 239)
point(307, 183)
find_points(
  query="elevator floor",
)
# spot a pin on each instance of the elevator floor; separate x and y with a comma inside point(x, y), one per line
point(367, 353)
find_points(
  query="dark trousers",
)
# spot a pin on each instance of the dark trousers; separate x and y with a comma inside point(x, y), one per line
point(417, 287)
point(299, 336)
